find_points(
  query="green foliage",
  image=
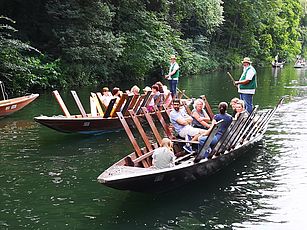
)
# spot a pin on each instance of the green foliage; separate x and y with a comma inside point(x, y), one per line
point(22, 67)
point(260, 29)
point(110, 40)
point(83, 32)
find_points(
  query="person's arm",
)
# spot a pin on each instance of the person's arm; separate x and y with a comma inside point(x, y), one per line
point(184, 121)
point(245, 82)
point(207, 132)
point(249, 76)
point(202, 120)
point(176, 67)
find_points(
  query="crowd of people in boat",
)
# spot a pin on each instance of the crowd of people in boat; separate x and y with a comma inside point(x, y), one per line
point(158, 90)
point(196, 127)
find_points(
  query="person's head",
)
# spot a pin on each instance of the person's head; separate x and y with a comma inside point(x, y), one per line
point(146, 89)
point(105, 91)
point(233, 102)
point(223, 107)
point(135, 90)
point(199, 104)
point(160, 85)
point(115, 91)
point(246, 61)
point(154, 88)
point(176, 104)
point(172, 58)
point(166, 142)
point(240, 106)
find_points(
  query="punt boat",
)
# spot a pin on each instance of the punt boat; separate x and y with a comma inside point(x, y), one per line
point(134, 172)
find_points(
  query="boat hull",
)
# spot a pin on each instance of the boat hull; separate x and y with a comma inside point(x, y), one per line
point(156, 181)
point(7, 107)
point(81, 125)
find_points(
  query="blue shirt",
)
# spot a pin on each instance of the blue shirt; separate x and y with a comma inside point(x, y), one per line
point(227, 120)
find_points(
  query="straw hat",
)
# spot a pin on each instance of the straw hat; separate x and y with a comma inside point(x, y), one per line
point(246, 59)
point(173, 57)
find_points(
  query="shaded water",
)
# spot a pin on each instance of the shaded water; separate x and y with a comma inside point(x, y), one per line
point(48, 179)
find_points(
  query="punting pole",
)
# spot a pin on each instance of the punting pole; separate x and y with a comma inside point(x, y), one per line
point(231, 78)
point(183, 93)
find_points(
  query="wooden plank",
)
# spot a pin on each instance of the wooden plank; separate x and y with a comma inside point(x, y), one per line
point(149, 100)
point(127, 103)
point(147, 96)
point(152, 125)
point(208, 107)
point(187, 109)
point(93, 107)
point(132, 103)
point(207, 143)
point(136, 147)
point(97, 104)
point(103, 106)
point(78, 102)
point(109, 108)
point(163, 123)
point(119, 105)
point(141, 130)
point(61, 103)
point(137, 104)
point(166, 97)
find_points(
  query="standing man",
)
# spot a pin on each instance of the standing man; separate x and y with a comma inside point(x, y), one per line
point(173, 75)
point(247, 84)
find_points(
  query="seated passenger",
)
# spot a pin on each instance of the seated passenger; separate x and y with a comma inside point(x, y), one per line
point(163, 157)
point(200, 117)
point(106, 96)
point(135, 90)
point(156, 93)
point(233, 103)
point(161, 90)
point(182, 124)
point(227, 119)
point(240, 108)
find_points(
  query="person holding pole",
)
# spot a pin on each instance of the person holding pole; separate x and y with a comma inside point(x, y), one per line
point(173, 75)
point(247, 84)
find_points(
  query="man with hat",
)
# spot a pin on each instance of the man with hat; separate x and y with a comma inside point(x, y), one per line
point(247, 84)
point(173, 75)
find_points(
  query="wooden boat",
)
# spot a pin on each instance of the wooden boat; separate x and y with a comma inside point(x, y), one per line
point(135, 173)
point(12, 105)
point(102, 119)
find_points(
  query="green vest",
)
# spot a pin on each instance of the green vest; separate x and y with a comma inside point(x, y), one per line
point(253, 83)
point(175, 76)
